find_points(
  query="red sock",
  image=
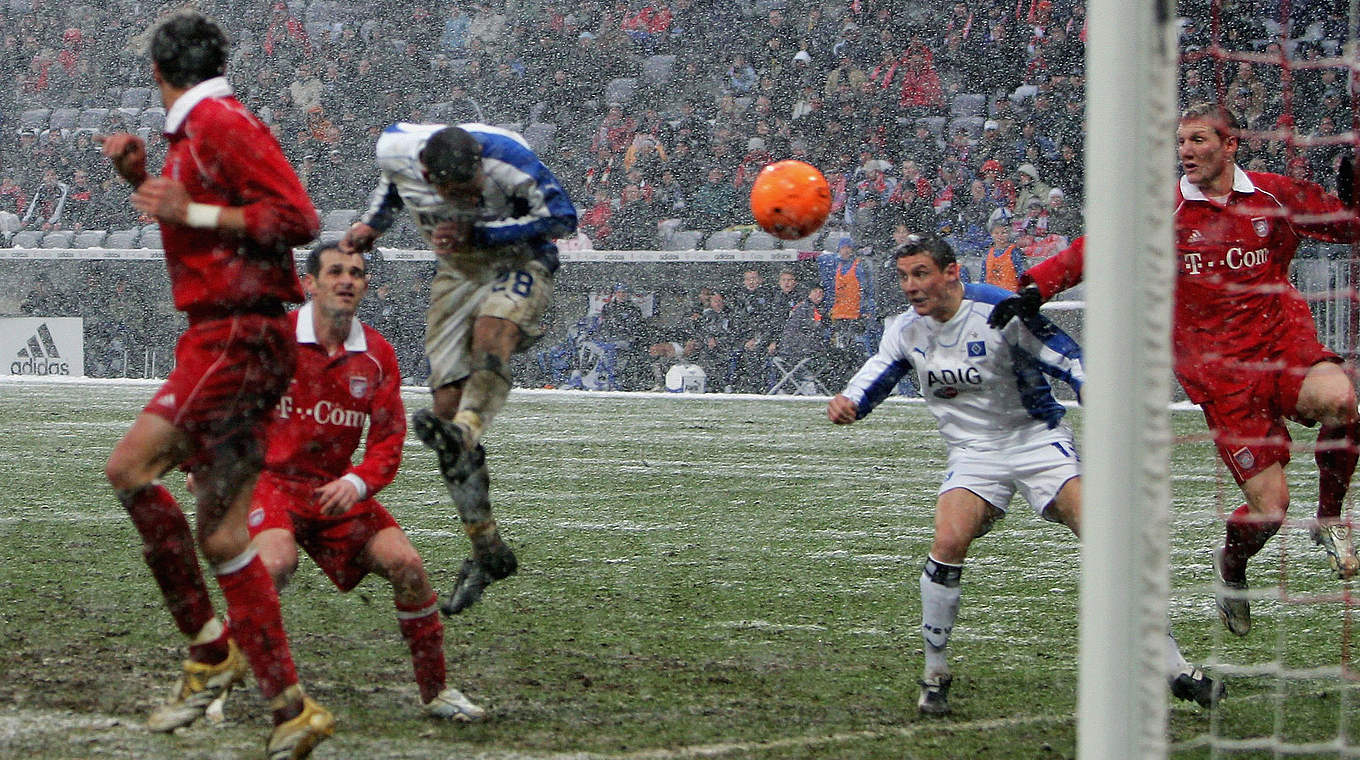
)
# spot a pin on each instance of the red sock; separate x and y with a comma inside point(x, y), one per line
point(424, 634)
point(1246, 534)
point(1336, 455)
point(256, 624)
point(168, 547)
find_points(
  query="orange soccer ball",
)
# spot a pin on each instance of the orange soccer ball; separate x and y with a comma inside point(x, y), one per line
point(790, 199)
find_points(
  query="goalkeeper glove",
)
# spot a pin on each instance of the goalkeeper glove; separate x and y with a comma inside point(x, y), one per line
point(1025, 304)
point(1345, 181)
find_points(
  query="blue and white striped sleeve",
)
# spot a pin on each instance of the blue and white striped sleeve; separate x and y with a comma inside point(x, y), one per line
point(876, 380)
point(541, 208)
point(383, 204)
point(1054, 352)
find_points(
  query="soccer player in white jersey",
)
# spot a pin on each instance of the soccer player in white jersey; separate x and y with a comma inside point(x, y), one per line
point(490, 210)
point(1003, 427)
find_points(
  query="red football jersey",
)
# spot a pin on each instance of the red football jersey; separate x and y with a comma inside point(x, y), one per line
point(1234, 300)
point(225, 156)
point(321, 417)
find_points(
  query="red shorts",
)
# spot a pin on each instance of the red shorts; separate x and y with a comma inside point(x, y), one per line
point(229, 374)
point(1247, 417)
point(333, 542)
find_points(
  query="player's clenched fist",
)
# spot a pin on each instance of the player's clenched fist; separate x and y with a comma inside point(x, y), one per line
point(163, 199)
point(128, 154)
point(358, 239)
point(841, 410)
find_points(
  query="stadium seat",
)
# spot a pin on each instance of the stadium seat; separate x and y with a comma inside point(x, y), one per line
point(122, 239)
point(972, 123)
point(658, 70)
point(512, 126)
point(152, 118)
point(92, 119)
point(830, 237)
point(135, 97)
point(338, 220)
point(89, 239)
point(968, 104)
point(724, 240)
point(58, 239)
point(759, 240)
point(808, 243)
point(27, 238)
point(541, 136)
point(64, 119)
point(34, 118)
point(621, 90)
point(935, 124)
point(682, 240)
point(151, 238)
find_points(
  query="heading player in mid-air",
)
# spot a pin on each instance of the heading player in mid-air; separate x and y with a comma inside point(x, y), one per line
point(490, 210)
point(230, 210)
point(311, 495)
point(1003, 428)
point(1244, 342)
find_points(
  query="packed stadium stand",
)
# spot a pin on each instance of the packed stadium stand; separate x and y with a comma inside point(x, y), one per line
point(946, 118)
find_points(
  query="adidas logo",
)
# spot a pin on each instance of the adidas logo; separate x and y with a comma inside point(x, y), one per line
point(40, 356)
point(1194, 237)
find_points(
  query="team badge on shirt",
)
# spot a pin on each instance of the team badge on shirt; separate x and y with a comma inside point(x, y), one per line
point(977, 348)
point(1261, 225)
point(1244, 458)
point(358, 386)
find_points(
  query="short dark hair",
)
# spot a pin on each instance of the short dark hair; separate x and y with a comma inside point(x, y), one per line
point(188, 48)
point(451, 155)
point(313, 266)
point(934, 247)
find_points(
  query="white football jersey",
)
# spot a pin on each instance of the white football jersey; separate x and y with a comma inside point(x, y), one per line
point(521, 199)
point(988, 389)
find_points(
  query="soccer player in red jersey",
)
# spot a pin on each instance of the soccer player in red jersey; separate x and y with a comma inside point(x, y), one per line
point(1245, 345)
point(311, 495)
point(230, 210)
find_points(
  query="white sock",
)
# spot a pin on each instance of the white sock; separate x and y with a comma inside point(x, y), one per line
point(940, 594)
point(1175, 661)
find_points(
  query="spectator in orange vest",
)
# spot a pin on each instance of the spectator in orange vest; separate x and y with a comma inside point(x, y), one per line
point(1004, 261)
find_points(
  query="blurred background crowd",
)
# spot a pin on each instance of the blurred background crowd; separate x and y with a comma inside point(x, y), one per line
point(957, 117)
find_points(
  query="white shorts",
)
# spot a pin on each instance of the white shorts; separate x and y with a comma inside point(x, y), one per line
point(1038, 470)
point(518, 292)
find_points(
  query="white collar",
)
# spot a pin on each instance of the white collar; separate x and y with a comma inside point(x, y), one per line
point(216, 87)
point(1241, 184)
point(306, 330)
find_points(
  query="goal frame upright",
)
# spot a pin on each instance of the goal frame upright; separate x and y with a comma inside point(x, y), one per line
point(1129, 275)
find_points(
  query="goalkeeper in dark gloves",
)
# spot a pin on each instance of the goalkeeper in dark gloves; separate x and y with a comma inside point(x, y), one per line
point(1245, 345)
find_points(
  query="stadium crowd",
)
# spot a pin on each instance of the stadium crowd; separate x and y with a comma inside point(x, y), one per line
point(963, 118)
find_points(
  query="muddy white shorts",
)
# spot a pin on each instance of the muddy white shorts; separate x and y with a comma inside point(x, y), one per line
point(458, 295)
point(1037, 470)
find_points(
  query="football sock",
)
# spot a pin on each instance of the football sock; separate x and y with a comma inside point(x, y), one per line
point(1245, 535)
point(1175, 661)
point(940, 594)
point(1336, 455)
point(423, 631)
point(168, 548)
point(256, 624)
point(210, 645)
point(472, 498)
point(484, 394)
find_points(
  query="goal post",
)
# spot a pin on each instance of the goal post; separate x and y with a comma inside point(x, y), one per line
point(1130, 269)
